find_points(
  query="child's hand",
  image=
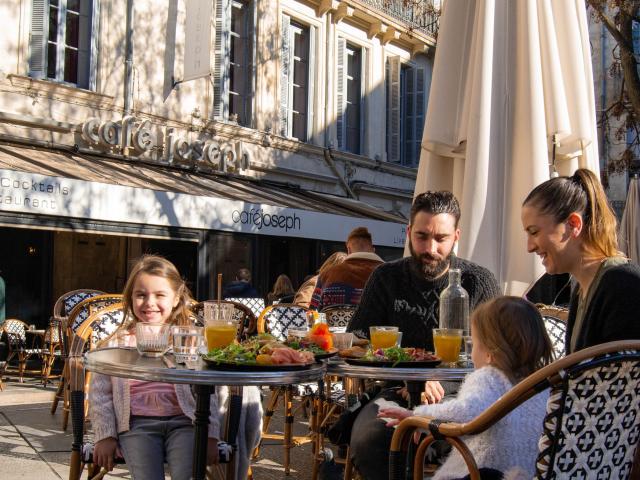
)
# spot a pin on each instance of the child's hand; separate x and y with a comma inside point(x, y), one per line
point(433, 392)
point(395, 414)
point(105, 451)
point(212, 451)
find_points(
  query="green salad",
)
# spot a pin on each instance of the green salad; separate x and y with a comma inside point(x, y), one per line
point(244, 353)
point(391, 354)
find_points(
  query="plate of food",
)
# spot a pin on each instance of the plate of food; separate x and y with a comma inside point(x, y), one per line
point(396, 357)
point(257, 355)
point(305, 345)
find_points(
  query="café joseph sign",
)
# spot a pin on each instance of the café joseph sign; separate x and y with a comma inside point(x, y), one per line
point(140, 138)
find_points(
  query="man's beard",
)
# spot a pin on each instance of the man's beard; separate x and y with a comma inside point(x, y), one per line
point(429, 265)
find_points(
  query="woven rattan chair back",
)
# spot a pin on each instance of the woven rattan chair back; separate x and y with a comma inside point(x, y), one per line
point(277, 319)
point(590, 429)
point(255, 304)
point(338, 316)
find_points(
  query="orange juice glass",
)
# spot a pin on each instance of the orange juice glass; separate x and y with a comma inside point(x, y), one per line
point(383, 337)
point(447, 343)
point(220, 334)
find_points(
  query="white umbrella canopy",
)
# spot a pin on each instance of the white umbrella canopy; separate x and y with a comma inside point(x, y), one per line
point(509, 78)
point(629, 237)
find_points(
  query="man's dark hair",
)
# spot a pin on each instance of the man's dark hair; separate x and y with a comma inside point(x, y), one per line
point(435, 203)
point(244, 274)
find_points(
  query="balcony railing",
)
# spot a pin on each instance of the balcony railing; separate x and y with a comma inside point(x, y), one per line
point(418, 14)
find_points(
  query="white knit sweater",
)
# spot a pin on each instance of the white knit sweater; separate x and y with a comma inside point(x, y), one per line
point(509, 445)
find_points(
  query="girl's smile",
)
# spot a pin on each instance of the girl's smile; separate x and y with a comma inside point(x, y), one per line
point(153, 299)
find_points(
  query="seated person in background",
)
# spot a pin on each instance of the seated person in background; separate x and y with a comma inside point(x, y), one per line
point(241, 286)
point(342, 284)
point(509, 343)
point(405, 293)
point(282, 291)
point(304, 293)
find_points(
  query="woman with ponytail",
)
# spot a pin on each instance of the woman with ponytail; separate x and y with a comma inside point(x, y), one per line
point(571, 226)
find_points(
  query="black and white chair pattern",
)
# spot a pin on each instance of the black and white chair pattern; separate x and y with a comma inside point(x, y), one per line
point(277, 319)
point(255, 304)
point(591, 428)
point(555, 322)
point(15, 332)
point(338, 316)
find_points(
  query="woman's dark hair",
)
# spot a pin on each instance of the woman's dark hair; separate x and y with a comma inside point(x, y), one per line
point(581, 193)
point(435, 203)
point(512, 330)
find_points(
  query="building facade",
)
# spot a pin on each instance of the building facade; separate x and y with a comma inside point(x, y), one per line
point(308, 125)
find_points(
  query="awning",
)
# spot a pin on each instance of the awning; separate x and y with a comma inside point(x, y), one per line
point(55, 182)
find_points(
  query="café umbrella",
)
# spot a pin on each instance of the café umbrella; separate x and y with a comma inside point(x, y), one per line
point(629, 237)
point(511, 103)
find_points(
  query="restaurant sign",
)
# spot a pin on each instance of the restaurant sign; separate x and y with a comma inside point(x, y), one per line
point(135, 137)
point(41, 194)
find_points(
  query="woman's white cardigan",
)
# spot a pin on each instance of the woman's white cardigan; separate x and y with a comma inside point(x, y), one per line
point(510, 445)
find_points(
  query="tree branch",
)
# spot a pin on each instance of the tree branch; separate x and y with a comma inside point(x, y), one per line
point(610, 25)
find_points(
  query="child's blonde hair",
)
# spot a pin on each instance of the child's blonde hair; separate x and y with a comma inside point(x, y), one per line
point(160, 267)
point(512, 331)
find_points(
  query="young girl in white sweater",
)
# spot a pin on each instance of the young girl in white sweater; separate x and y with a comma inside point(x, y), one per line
point(509, 343)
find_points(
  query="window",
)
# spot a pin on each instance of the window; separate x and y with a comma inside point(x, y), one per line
point(296, 79)
point(233, 72)
point(349, 96)
point(405, 84)
point(63, 41)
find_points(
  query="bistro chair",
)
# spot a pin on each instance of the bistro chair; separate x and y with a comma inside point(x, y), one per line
point(76, 317)
point(555, 322)
point(61, 310)
point(98, 328)
point(276, 320)
point(339, 316)
point(590, 430)
point(51, 349)
point(255, 304)
point(15, 332)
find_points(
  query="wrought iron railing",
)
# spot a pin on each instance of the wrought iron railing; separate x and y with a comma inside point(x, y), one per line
point(417, 14)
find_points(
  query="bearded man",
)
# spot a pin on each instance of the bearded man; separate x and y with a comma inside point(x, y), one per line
point(406, 293)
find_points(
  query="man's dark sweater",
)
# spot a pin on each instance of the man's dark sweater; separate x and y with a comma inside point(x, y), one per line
point(398, 293)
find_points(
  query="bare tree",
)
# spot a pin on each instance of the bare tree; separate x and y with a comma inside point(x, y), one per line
point(618, 17)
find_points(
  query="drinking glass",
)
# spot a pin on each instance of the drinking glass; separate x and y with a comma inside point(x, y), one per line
point(152, 339)
point(383, 336)
point(342, 340)
point(186, 342)
point(220, 328)
point(295, 334)
point(468, 346)
point(447, 342)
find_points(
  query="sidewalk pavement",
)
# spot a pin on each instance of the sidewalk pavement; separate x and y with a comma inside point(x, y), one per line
point(33, 445)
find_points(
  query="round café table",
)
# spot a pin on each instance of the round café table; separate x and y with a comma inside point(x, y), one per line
point(127, 363)
point(414, 377)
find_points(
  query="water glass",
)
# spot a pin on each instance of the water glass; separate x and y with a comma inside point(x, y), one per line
point(383, 337)
point(295, 334)
point(152, 339)
point(342, 340)
point(447, 343)
point(186, 342)
point(214, 311)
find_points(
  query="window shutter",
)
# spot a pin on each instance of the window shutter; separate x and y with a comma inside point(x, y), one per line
point(93, 55)
point(393, 110)
point(341, 93)
point(38, 40)
point(419, 96)
point(221, 60)
point(311, 82)
point(285, 75)
point(85, 44)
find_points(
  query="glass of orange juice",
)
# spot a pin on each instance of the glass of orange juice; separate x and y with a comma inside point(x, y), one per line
point(383, 337)
point(447, 343)
point(220, 329)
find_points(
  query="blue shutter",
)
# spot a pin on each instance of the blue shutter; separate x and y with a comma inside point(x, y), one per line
point(393, 109)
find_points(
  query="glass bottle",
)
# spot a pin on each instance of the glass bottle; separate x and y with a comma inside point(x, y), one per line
point(454, 304)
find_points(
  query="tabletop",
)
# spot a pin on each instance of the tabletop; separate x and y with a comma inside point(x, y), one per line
point(441, 374)
point(128, 363)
